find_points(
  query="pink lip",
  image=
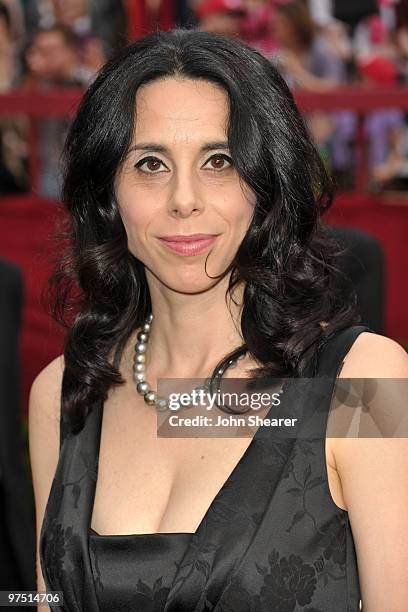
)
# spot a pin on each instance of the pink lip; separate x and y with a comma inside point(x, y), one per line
point(189, 245)
point(187, 237)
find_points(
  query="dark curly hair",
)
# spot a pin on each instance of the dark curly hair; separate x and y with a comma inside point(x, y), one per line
point(287, 259)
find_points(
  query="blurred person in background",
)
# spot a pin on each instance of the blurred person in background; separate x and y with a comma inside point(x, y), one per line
point(372, 37)
point(103, 21)
point(386, 128)
point(52, 59)
point(321, 11)
point(17, 20)
point(307, 62)
point(75, 15)
point(376, 62)
point(304, 57)
point(7, 53)
point(331, 29)
point(400, 38)
point(377, 58)
point(257, 26)
point(13, 130)
point(221, 16)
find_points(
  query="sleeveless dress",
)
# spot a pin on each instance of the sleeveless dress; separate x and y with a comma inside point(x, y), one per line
point(272, 540)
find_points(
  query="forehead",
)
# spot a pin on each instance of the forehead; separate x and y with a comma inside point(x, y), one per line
point(181, 108)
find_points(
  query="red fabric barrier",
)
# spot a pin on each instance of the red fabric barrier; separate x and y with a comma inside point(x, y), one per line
point(26, 225)
point(389, 224)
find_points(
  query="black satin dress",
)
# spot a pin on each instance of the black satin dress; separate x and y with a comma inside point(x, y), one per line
point(272, 540)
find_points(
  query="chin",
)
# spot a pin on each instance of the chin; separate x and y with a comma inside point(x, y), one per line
point(190, 285)
point(188, 279)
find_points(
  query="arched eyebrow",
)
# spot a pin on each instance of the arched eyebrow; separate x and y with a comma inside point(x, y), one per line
point(155, 146)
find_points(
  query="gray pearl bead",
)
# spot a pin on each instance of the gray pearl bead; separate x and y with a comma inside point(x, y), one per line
point(143, 387)
point(143, 337)
point(161, 404)
point(139, 358)
point(141, 347)
point(138, 377)
point(150, 397)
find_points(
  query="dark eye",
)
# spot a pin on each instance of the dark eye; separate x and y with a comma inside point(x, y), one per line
point(217, 161)
point(153, 164)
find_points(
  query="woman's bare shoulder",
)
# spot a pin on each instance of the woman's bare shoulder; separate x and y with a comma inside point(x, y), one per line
point(375, 356)
point(45, 395)
point(44, 441)
point(51, 374)
point(371, 356)
point(373, 472)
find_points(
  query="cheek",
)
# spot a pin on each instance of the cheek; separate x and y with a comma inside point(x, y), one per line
point(136, 220)
point(138, 203)
point(242, 208)
point(135, 223)
point(132, 211)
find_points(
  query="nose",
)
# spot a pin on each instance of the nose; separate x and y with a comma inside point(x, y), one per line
point(185, 197)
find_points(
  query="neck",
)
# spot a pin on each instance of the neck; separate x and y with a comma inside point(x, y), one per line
point(190, 333)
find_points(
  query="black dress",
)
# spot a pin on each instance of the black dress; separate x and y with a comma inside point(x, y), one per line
point(272, 540)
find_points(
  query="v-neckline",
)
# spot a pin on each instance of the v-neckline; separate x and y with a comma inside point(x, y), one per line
point(243, 458)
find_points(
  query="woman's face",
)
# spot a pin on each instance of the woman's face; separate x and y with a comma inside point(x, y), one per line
point(178, 180)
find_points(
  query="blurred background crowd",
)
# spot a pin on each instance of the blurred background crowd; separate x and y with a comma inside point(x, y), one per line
point(347, 64)
point(317, 44)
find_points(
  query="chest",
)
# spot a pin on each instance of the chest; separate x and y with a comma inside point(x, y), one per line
point(148, 484)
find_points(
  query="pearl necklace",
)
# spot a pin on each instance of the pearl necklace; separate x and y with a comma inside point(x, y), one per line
point(139, 370)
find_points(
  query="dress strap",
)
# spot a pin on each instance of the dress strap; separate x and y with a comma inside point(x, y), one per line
point(65, 543)
point(330, 356)
point(64, 426)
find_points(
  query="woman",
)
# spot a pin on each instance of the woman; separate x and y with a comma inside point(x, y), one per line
point(188, 133)
point(308, 61)
point(304, 54)
point(13, 130)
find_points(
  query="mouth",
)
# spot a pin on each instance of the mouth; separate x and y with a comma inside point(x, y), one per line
point(193, 244)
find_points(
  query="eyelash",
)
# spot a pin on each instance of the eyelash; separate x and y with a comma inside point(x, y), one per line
point(152, 158)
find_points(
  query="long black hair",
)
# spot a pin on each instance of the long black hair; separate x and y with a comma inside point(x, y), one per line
point(286, 260)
